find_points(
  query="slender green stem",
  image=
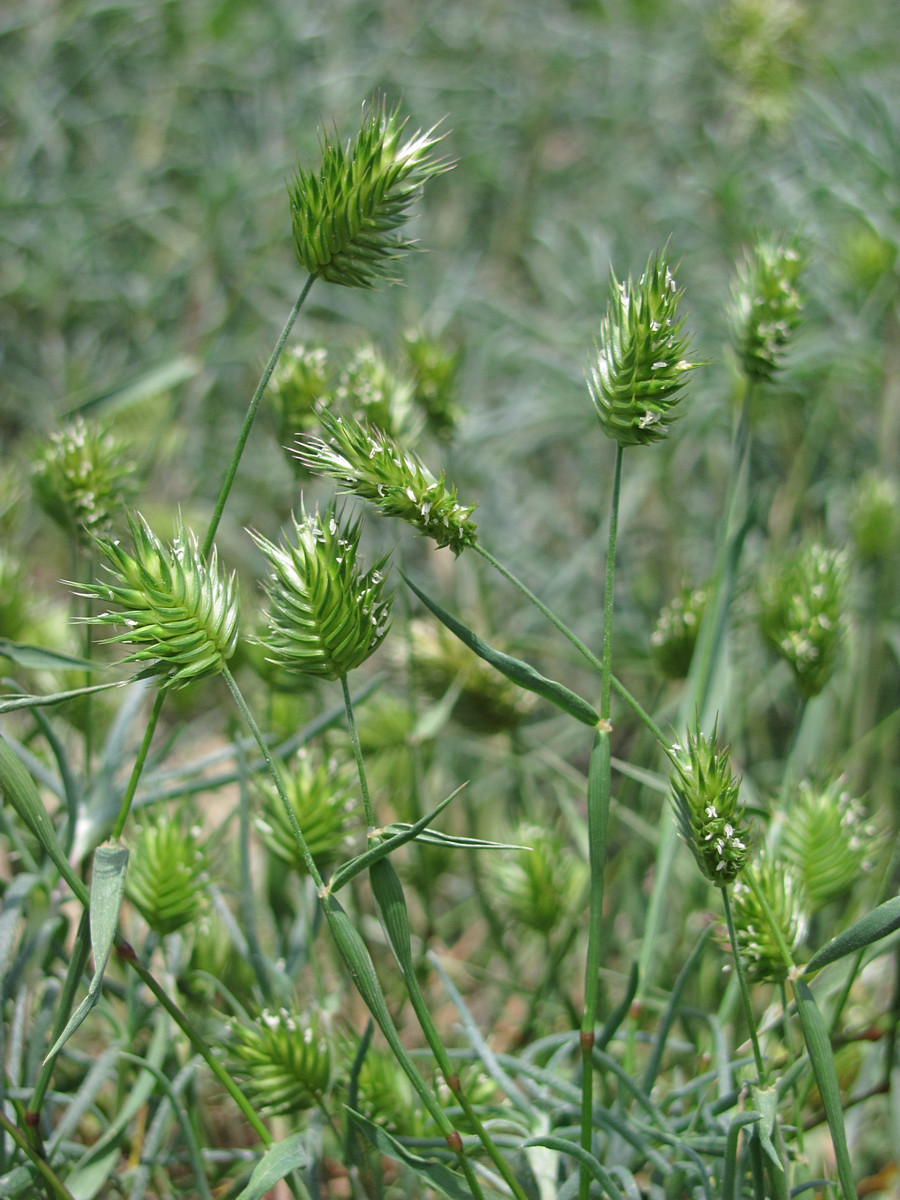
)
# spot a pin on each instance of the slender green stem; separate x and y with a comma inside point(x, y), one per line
point(307, 857)
point(138, 767)
point(357, 754)
point(249, 418)
point(745, 990)
point(599, 787)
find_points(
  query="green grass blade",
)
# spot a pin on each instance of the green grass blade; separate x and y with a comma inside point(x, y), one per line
point(405, 833)
point(434, 1173)
point(20, 791)
point(514, 669)
point(107, 890)
point(37, 658)
point(821, 1057)
point(277, 1162)
point(874, 925)
point(584, 1158)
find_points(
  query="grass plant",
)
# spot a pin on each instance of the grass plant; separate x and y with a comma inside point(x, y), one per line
point(520, 820)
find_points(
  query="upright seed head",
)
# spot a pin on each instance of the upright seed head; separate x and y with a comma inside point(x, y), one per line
point(640, 364)
point(803, 607)
point(757, 944)
point(320, 795)
point(704, 793)
point(167, 873)
point(766, 307)
point(82, 479)
point(176, 608)
point(370, 464)
point(283, 1059)
point(326, 615)
point(675, 635)
point(828, 840)
point(346, 218)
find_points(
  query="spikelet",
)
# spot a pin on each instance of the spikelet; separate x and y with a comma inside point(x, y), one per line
point(704, 794)
point(283, 1060)
point(326, 616)
point(176, 608)
point(766, 307)
point(368, 463)
point(346, 218)
point(640, 364)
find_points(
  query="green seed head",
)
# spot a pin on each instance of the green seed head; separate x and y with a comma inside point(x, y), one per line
point(370, 391)
point(283, 1059)
point(82, 479)
point(675, 635)
point(802, 614)
point(766, 307)
point(299, 387)
point(320, 796)
point(176, 608)
point(167, 873)
point(828, 840)
point(367, 462)
point(346, 218)
point(326, 616)
point(875, 517)
point(535, 887)
point(435, 368)
point(757, 943)
point(704, 793)
point(641, 362)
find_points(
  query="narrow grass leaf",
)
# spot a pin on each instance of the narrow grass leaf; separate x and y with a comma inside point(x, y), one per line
point(20, 791)
point(16, 703)
point(37, 658)
point(358, 962)
point(518, 672)
point(401, 834)
point(277, 1162)
point(431, 1171)
point(107, 890)
point(874, 925)
point(818, 1046)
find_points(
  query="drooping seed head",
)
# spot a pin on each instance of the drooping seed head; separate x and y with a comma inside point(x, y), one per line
point(326, 616)
point(704, 793)
point(346, 217)
point(640, 365)
point(176, 608)
point(368, 463)
point(766, 307)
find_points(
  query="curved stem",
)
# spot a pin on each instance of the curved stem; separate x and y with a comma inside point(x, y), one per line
point(248, 419)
